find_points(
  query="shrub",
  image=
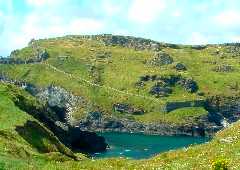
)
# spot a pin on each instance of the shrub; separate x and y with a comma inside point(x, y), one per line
point(220, 164)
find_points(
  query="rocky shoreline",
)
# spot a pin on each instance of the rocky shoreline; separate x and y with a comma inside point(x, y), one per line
point(98, 123)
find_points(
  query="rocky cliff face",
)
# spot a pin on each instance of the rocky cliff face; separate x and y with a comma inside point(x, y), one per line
point(224, 108)
point(40, 56)
point(61, 101)
point(95, 121)
point(54, 114)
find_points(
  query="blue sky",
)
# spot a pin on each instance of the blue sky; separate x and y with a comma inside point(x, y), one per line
point(174, 21)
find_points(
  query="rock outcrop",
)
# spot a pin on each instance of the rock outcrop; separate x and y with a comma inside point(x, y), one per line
point(223, 68)
point(61, 101)
point(180, 67)
point(164, 84)
point(127, 41)
point(224, 107)
point(160, 89)
point(188, 84)
point(126, 108)
point(40, 57)
point(160, 59)
point(97, 122)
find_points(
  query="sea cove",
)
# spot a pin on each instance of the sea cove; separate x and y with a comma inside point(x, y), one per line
point(139, 146)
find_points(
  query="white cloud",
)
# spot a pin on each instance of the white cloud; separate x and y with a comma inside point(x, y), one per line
point(84, 26)
point(145, 11)
point(197, 38)
point(177, 13)
point(111, 8)
point(228, 18)
point(36, 26)
point(39, 3)
point(202, 7)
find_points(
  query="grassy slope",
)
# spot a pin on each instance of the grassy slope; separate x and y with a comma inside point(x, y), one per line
point(121, 71)
point(24, 140)
point(18, 153)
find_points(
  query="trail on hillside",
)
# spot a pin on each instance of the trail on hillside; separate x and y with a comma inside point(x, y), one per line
point(100, 86)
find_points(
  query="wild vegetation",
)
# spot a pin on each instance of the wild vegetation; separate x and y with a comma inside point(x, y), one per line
point(122, 77)
point(110, 74)
point(37, 148)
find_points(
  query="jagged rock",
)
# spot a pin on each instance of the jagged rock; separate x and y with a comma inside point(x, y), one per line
point(228, 50)
point(180, 67)
point(164, 84)
point(227, 107)
point(188, 84)
point(223, 68)
point(160, 59)
point(112, 124)
point(60, 100)
point(233, 50)
point(203, 128)
point(43, 55)
point(160, 90)
point(126, 108)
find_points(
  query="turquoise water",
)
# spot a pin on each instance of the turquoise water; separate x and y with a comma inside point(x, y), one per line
point(138, 146)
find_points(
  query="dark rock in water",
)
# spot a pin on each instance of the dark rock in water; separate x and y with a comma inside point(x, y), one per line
point(180, 67)
point(126, 108)
point(86, 141)
point(160, 90)
point(223, 68)
point(160, 59)
point(189, 85)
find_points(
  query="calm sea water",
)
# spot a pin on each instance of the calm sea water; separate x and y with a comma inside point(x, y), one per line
point(138, 146)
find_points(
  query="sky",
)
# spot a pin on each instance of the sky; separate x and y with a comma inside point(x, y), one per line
point(172, 21)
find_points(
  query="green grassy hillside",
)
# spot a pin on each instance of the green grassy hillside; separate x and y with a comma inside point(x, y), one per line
point(23, 139)
point(107, 74)
point(26, 144)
